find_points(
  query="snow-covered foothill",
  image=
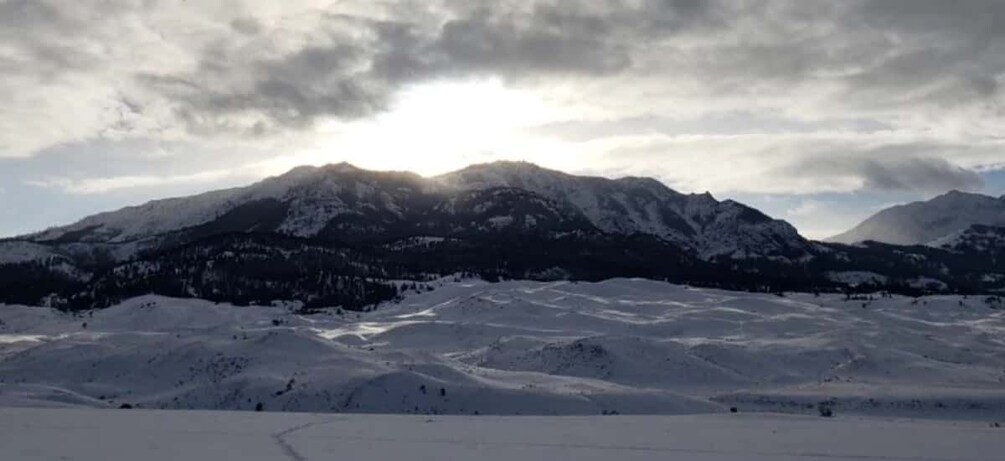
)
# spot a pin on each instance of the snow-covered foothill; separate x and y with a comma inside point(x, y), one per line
point(619, 346)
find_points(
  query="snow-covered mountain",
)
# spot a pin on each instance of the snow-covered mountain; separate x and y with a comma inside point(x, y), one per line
point(922, 223)
point(346, 202)
point(338, 235)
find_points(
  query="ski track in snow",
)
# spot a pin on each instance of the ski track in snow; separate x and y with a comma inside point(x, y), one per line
point(288, 449)
point(470, 347)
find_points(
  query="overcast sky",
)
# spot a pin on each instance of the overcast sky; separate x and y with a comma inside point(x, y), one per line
point(817, 112)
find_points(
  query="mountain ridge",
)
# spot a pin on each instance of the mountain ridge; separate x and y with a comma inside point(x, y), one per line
point(339, 235)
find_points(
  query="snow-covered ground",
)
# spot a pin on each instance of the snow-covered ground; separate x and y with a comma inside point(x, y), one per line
point(85, 435)
point(470, 347)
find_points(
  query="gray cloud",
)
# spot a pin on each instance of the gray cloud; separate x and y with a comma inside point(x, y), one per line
point(890, 169)
point(738, 122)
point(359, 63)
point(890, 95)
point(52, 38)
point(831, 162)
point(886, 55)
point(918, 174)
point(349, 63)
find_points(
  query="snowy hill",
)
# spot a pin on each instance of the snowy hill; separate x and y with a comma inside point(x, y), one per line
point(467, 347)
point(921, 223)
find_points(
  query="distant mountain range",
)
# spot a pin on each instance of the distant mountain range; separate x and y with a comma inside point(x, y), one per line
point(922, 223)
point(340, 235)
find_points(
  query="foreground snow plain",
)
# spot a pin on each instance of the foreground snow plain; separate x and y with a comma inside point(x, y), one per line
point(522, 348)
point(31, 434)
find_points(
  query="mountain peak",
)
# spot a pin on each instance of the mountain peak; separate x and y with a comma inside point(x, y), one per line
point(956, 198)
point(341, 167)
point(514, 174)
point(502, 167)
point(924, 222)
point(308, 170)
point(510, 164)
point(956, 194)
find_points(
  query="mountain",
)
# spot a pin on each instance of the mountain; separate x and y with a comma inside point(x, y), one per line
point(338, 235)
point(350, 204)
point(921, 223)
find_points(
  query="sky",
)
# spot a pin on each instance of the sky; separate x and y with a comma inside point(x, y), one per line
point(817, 112)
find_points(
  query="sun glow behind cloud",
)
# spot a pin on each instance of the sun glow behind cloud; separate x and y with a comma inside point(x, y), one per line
point(437, 127)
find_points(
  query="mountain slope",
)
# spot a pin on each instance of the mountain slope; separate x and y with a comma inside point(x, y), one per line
point(643, 205)
point(299, 203)
point(921, 223)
